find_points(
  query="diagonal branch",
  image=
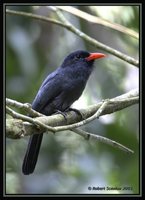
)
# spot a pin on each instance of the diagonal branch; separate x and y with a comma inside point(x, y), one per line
point(24, 106)
point(94, 42)
point(66, 24)
point(90, 136)
point(98, 20)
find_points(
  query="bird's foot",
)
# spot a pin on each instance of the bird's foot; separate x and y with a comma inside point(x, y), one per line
point(62, 113)
point(77, 111)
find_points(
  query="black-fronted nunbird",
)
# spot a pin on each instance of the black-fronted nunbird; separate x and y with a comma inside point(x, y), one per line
point(57, 93)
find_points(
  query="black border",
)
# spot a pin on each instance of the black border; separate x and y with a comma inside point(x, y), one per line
point(140, 104)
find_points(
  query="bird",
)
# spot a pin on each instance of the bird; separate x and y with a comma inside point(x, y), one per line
point(58, 92)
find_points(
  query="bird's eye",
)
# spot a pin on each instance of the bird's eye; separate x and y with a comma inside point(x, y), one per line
point(78, 56)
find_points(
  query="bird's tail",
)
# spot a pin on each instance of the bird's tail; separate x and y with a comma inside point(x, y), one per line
point(31, 155)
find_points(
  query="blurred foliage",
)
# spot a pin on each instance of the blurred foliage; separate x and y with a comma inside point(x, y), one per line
point(67, 163)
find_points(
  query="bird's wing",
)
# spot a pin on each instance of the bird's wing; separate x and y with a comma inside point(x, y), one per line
point(49, 90)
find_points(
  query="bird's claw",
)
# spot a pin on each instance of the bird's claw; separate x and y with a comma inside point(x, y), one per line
point(62, 113)
point(77, 111)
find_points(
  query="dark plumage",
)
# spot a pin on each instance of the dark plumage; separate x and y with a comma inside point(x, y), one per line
point(58, 92)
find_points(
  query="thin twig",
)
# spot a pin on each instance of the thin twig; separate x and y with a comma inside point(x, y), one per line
point(100, 108)
point(90, 136)
point(98, 20)
point(85, 121)
point(29, 119)
point(37, 17)
point(26, 107)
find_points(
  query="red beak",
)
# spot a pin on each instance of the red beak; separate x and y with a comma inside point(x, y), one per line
point(94, 56)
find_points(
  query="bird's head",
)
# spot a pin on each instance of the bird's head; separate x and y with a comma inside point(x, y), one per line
point(80, 57)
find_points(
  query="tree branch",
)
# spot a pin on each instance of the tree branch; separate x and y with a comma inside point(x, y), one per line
point(26, 107)
point(94, 42)
point(29, 119)
point(90, 136)
point(98, 20)
point(66, 24)
point(57, 122)
point(24, 125)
